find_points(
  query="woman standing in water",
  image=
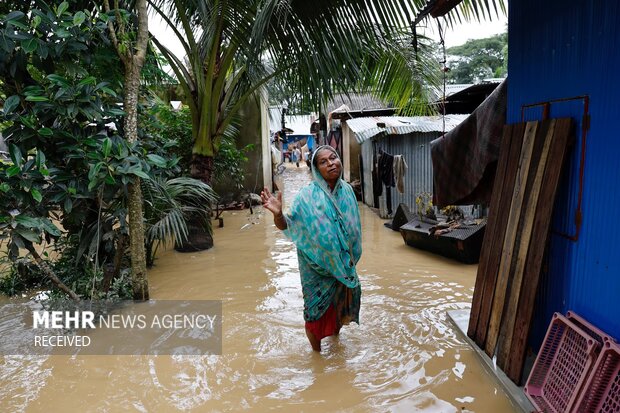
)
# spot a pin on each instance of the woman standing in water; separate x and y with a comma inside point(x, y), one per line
point(324, 224)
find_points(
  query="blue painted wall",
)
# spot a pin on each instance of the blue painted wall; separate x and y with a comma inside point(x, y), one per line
point(562, 49)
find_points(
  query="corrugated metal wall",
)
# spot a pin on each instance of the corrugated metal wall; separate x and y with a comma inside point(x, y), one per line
point(367, 153)
point(562, 49)
point(415, 148)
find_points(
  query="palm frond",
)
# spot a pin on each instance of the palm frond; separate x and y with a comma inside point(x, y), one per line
point(317, 48)
point(168, 204)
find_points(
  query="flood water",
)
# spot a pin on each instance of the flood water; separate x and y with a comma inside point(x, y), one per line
point(404, 357)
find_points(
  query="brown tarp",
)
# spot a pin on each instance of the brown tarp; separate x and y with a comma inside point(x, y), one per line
point(465, 159)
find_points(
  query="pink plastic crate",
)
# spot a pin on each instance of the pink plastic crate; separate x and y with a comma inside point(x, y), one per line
point(562, 366)
point(596, 333)
point(602, 390)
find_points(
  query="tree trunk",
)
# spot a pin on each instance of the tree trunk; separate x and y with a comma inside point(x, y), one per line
point(202, 168)
point(199, 236)
point(50, 273)
point(139, 278)
point(112, 271)
point(133, 57)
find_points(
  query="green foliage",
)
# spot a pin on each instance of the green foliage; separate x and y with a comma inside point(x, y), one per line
point(229, 163)
point(69, 165)
point(478, 59)
point(18, 276)
point(172, 130)
point(22, 275)
point(168, 205)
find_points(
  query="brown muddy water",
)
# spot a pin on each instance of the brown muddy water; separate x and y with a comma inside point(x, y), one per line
point(404, 357)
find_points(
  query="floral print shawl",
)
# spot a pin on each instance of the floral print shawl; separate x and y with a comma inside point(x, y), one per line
point(325, 227)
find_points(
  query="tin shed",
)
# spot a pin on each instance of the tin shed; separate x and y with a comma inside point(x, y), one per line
point(396, 135)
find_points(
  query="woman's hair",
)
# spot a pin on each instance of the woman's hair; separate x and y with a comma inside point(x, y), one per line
point(315, 154)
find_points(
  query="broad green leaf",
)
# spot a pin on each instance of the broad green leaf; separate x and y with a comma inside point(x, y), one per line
point(79, 18)
point(13, 19)
point(107, 147)
point(40, 161)
point(46, 132)
point(36, 21)
point(29, 235)
point(27, 221)
point(141, 174)
point(68, 205)
point(59, 80)
point(62, 33)
point(62, 8)
point(27, 121)
point(100, 85)
point(33, 90)
point(90, 80)
point(19, 242)
point(12, 171)
point(37, 99)
point(6, 44)
point(36, 195)
point(30, 45)
point(94, 170)
point(10, 104)
point(50, 228)
point(16, 155)
point(109, 179)
point(157, 160)
point(118, 112)
point(14, 15)
point(4, 187)
point(109, 91)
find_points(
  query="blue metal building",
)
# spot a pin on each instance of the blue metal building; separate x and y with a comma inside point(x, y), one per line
point(567, 53)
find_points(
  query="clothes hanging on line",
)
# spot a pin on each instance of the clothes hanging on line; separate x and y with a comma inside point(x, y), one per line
point(386, 173)
point(399, 168)
point(377, 186)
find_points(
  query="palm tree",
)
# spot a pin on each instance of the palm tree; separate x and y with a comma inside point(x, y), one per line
point(233, 48)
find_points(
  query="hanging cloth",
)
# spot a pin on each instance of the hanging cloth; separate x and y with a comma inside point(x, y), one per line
point(400, 166)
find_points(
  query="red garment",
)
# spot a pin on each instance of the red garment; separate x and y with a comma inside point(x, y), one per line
point(324, 326)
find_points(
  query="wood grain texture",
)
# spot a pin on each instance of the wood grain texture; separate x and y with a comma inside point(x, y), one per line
point(512, 227)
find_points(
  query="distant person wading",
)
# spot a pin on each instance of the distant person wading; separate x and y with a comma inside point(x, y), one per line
point(324, 224)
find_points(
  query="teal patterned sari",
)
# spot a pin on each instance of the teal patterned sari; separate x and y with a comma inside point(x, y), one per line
point(325, 226)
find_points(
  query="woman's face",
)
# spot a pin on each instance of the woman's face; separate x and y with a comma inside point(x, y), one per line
point(329, 165)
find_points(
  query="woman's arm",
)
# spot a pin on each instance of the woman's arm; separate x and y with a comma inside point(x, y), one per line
point(274, 204)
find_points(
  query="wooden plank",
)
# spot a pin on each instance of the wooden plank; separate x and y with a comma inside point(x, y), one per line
point(495, 248)
point(526, 224)
point(512, 227)
point(489, 235)
point(557, 155)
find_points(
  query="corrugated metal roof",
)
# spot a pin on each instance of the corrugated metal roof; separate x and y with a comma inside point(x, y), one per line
point(366, 128)
point(355, 102)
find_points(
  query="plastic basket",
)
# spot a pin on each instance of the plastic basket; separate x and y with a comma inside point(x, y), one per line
point(596, 333)
point(562, 366)
point(603, 386)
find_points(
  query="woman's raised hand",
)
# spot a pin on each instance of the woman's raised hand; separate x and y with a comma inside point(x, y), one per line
point(271, 202)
